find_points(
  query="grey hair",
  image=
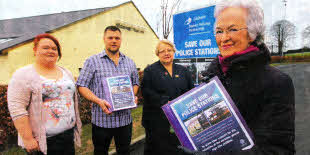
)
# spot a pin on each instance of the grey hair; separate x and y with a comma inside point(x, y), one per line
point(255, 19)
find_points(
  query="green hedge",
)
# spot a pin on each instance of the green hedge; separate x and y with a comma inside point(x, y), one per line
point(85, 110)
point(290, 58)
point(8, 132)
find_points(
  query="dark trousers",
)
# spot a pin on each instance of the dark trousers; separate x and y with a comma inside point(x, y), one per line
point(159, 141)
point(102, 139)
point(61, 144)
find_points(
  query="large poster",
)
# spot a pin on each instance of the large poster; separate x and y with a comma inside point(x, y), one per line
point(194, 34)
point(194, 40)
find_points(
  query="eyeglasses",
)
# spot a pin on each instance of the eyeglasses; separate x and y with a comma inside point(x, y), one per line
point(165, 51)
point(230, 31)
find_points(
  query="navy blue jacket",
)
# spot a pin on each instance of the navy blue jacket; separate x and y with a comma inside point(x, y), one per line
point(158, 87)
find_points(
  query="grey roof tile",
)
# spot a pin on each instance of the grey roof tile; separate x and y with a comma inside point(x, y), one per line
point(23, 29)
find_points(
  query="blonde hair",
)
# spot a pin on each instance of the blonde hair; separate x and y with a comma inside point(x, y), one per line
point(165, 41)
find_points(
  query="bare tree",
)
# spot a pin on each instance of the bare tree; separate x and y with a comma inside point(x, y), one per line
point(282, 32)
point(306, 37)
point(168, 8)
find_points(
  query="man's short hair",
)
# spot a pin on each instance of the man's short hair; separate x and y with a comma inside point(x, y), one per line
point(112, 28)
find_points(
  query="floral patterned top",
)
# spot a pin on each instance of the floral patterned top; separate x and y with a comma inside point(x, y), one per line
point(57, 97)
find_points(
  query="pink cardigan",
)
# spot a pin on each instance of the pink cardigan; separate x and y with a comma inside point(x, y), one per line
point(25, 98)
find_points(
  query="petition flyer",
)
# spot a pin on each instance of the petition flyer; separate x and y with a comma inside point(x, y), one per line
point(206, 119)
point(119, 92)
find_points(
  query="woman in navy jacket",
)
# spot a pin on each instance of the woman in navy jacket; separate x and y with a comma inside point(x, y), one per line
point(162, 82)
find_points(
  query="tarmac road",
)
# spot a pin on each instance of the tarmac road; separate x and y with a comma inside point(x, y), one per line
point(300, 74)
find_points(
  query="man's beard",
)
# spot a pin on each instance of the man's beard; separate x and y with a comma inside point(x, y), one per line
point(113, 51)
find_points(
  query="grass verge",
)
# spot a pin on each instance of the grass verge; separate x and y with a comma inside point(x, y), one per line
point(286, 63)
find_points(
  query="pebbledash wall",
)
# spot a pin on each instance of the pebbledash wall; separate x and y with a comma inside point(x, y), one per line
point(84, 38)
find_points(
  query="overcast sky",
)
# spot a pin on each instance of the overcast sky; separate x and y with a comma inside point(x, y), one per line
point(297, 11)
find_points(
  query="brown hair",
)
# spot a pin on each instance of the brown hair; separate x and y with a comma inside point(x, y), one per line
point(112, 28)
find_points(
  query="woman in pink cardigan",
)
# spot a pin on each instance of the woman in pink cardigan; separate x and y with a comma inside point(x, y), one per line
point(43, 102)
